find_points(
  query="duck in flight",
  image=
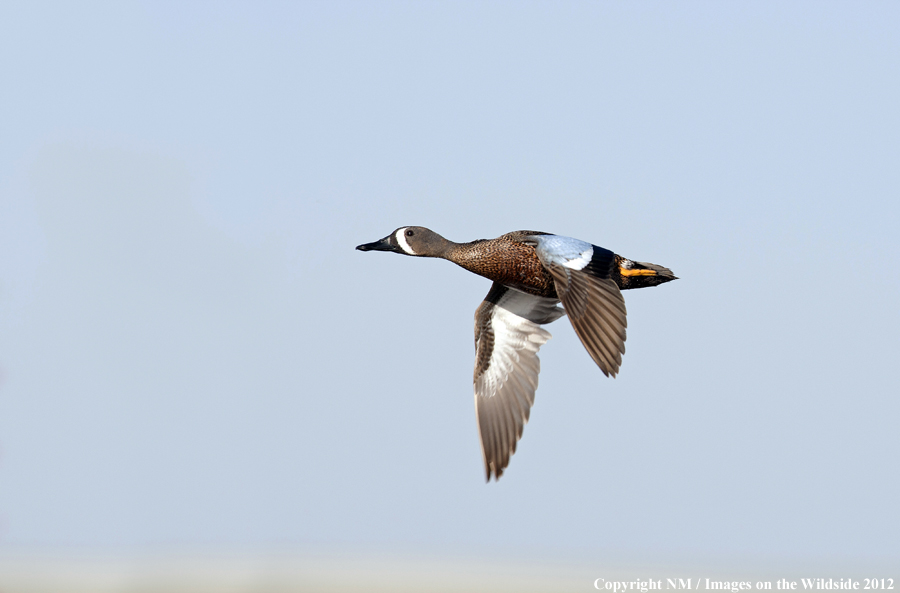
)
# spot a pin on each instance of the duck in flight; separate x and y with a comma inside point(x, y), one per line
point(532, 273)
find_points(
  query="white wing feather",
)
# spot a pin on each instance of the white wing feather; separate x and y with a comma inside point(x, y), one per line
point(504, 390)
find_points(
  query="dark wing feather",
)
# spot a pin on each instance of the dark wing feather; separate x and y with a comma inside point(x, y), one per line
point(597, 311)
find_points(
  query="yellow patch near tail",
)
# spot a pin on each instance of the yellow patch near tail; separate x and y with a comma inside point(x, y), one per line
point(626, 272)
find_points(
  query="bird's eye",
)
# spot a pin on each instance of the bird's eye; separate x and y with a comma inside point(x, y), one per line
point(409, 233)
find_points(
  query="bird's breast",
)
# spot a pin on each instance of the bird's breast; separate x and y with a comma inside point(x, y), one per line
point(510, 263)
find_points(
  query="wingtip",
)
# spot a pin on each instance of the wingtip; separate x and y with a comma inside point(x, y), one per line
point(491, 472)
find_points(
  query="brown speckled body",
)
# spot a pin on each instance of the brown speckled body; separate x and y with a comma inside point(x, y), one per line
point(507, 260)
point(512, 261)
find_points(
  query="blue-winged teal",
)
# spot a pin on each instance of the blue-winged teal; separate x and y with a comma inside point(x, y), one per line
point(532, 273)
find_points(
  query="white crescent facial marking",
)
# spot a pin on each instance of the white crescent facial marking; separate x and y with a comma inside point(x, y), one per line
point(401, 240)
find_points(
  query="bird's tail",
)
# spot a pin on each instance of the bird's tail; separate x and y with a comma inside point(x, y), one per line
point(638, 274)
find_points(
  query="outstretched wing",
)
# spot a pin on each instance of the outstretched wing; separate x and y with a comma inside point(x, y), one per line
point(508, 335)
point(592, 300)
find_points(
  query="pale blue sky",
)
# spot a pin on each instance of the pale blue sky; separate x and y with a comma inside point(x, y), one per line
point(192, 353)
